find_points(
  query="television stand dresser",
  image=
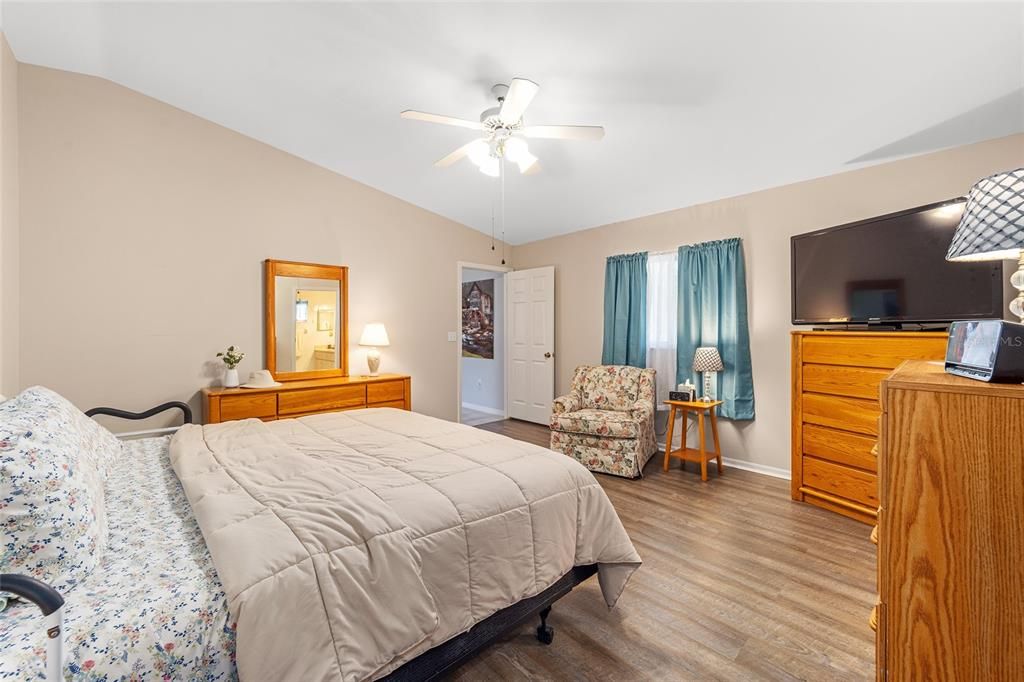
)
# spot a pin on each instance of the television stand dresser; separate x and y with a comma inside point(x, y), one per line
point(305, 397)
point(835, 388)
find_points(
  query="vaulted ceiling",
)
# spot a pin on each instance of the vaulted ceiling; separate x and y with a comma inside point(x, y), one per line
point(700, 101)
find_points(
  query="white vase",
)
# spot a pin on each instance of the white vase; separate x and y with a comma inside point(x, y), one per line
point(231, 378)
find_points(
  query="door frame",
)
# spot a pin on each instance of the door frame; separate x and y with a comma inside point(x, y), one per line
point(459, 267)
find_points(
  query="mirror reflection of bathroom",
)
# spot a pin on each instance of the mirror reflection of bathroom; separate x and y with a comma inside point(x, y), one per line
point(306, 321)
point(314, 330)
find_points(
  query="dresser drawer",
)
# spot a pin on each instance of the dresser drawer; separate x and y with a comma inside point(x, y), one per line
point(260, 405)
point(853, 382)
point(849, 414)
point(385, 391)
point(841, 481)
point(321, 399)
point(397, 404)
point(884, 352)
point(841, 447)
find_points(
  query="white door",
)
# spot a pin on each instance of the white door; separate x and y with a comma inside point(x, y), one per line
point(531, 343)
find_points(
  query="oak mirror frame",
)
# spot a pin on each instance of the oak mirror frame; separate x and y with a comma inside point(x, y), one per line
point(305, 320)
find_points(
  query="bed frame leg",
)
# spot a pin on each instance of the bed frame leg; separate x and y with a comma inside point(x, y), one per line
point(545, 633)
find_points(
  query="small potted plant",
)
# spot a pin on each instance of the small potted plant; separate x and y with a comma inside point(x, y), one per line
point(232, 357)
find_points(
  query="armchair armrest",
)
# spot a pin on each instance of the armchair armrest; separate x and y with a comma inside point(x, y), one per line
point(566, 403)
point(642, 409)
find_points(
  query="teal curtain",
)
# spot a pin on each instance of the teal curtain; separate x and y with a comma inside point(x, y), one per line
point(713, 312)
point(625, 310)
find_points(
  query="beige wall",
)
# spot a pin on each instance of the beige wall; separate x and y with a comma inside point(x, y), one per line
point(765, 220)
point(9, 216)
point(149, 226)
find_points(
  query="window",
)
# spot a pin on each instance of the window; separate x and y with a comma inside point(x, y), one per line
point(662, 310)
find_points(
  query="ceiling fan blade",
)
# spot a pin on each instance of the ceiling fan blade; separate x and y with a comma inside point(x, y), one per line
point(565, 132)
point(438, 118)
point(518, 97)
point(534, 169)
point(454, 156)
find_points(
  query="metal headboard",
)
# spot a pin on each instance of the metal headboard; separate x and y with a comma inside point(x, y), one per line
point(186, 414)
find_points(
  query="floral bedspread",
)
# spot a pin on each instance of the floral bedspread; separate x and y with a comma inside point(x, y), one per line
point(154, 609)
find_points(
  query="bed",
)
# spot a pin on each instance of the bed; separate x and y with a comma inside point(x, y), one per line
point(385, 543)
point(153, 608)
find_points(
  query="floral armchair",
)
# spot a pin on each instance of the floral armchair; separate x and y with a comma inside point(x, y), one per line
point(607, 420)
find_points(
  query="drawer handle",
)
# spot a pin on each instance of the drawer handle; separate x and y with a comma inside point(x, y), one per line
point(874, 534)
point(873, 621)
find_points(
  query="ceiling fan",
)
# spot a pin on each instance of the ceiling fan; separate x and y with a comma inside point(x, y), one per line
point(503, 129)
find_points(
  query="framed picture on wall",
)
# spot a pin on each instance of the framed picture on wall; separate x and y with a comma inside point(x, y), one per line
point(478, 319)
point(325, 319)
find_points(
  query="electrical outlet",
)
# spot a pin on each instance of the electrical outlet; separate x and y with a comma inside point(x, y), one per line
point(453, 337)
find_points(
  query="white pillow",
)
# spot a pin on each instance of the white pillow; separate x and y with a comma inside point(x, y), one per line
point(53, 464)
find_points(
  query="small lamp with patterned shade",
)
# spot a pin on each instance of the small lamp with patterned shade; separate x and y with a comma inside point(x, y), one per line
point(992, 227)
point(707, 360)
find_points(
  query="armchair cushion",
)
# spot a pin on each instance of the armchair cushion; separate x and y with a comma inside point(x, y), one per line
point(597, 423)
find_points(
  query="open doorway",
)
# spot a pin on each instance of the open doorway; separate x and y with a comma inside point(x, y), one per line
point(482, 381)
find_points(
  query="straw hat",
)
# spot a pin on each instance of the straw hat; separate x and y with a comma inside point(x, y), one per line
point(261, 379)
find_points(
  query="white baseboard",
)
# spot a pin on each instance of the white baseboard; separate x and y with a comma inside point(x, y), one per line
point(484, 409)
point(774, 472)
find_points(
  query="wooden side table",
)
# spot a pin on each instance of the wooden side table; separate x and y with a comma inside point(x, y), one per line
point(694, 454)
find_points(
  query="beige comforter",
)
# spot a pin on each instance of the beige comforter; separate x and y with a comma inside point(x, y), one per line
point(349, 543)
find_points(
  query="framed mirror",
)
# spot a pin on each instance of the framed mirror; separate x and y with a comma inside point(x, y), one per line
point(306, 311)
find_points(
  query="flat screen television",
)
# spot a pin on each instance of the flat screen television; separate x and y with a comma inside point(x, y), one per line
point(891, 270)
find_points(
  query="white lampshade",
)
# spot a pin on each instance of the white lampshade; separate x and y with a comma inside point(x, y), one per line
point(490, 167)
point(374, 334)
point(479, 151)
point(515, 148)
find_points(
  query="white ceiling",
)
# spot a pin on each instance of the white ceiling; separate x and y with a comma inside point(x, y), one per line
point(700, 101)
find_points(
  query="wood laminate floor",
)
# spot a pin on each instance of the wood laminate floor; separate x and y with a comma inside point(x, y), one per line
point(738, 583)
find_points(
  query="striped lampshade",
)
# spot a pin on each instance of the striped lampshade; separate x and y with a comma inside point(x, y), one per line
point(992, 227)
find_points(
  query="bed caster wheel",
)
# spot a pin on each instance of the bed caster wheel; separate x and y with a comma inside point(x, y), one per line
point(545, 633)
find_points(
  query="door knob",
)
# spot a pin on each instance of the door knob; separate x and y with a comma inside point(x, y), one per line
point(547, 355)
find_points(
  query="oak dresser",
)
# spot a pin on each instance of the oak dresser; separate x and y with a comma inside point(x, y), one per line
point(951, 528)
point(835, 381)
point(305, 397)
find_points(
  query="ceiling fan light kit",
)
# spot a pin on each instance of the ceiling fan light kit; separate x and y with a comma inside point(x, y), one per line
point(503, 129)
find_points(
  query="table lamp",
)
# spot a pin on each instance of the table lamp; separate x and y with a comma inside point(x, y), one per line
point(374, 336)
point(992, 227)
point(707, 360)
